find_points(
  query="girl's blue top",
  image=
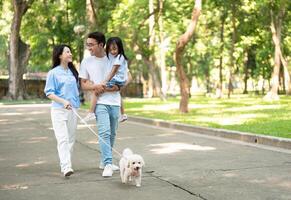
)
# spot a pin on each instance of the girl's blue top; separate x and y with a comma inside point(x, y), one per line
point(62, 83)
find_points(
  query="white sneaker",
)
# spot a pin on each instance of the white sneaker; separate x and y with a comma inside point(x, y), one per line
point(107, 172)
point(123, 118)
point(68, 172)
point(89, 117)
point(114, 167)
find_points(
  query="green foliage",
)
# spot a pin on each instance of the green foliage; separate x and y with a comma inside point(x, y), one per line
point(52, 22)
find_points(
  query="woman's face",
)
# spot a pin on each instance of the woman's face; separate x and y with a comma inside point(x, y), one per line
point(66, 56)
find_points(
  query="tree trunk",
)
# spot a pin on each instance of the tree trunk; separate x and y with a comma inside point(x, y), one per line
point(180, 46)
point(154, 82)
point(219, 85)
point(246, 71)
point(286, 75)
point(162, 52)
point(18, 52)
point(276, 26)
point(233, 41)
point(91, 15)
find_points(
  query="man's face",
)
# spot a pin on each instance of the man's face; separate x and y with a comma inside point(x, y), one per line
point(93, 47)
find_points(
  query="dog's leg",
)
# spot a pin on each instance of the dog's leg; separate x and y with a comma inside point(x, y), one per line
point(122, 175)
point(125, 176)
point(138, 181)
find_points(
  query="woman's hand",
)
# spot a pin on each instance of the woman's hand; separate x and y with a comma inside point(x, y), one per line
point(67, 105)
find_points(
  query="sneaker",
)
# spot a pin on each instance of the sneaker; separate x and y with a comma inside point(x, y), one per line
point(114, 167)
point(107, 172)
point(89, 117)
point(68, 172)
point(123, 118)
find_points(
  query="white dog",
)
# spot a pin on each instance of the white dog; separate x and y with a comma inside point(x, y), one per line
point(131, 167)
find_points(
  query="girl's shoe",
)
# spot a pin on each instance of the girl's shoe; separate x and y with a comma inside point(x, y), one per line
point(123, 118)
point(89, 117)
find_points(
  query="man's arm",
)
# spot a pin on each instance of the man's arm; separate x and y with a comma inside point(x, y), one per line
point(114, 88)
point(129, 79)
point(87, 85)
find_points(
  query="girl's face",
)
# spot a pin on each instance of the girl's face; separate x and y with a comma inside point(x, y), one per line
point(113, 49)
point(66, 56)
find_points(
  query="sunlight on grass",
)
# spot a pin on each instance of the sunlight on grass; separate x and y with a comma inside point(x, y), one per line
point(241, 113)
point(232, 120)
point(254, 108)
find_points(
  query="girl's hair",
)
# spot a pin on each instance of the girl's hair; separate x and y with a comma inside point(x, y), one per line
point(118, 42)
point(58, 50)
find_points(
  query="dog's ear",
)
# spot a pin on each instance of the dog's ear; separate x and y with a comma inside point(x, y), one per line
point(128, 163)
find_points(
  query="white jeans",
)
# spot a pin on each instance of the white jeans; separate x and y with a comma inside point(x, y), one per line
point(64, 124)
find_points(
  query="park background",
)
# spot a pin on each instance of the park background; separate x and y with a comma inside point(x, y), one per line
point(222, 64)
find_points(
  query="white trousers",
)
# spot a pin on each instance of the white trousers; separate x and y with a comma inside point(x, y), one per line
point(64, 124)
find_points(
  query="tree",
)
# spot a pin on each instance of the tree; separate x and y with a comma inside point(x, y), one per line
point(180, 46)
point(276, 28)
point(19, 51)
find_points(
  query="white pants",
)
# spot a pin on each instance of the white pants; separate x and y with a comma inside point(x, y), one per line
point(64, 124)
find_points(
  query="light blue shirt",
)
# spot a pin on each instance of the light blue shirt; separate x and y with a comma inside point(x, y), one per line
point(62, 83)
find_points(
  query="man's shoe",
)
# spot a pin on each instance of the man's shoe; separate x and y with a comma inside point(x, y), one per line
point(114, 167)
point(107, 172)
point(68, 172)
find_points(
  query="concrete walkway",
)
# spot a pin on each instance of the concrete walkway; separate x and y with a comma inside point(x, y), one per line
point(179, 165)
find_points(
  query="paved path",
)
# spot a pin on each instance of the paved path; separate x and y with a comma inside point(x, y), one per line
point(179, 165)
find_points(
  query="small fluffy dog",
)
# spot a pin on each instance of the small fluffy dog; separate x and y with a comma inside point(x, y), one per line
point(131, 167)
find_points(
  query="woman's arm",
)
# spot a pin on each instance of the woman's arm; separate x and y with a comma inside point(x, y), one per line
point(55, 98)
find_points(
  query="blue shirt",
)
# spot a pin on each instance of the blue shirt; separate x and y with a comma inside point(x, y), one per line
point(62, 83)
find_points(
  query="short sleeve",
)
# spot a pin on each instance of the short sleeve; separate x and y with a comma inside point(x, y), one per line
point(50, 85)
point(83, 72)
point(119, 60)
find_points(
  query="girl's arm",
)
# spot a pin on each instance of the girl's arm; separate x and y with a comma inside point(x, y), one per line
point(112, 73)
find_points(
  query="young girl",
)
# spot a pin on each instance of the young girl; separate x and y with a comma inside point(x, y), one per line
point(62, 88)
point(118, 75)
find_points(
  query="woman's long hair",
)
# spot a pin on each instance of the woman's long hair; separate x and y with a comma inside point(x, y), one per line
point(58, 50)
point(118, 42)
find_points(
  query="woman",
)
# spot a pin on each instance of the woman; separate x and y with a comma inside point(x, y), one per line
point(62, 88)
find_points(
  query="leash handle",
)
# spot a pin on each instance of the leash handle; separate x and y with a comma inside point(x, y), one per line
point(88, 126)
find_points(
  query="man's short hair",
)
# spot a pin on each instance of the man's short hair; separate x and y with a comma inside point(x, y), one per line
point(98, 36)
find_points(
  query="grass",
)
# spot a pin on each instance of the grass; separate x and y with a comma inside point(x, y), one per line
point(242, 113)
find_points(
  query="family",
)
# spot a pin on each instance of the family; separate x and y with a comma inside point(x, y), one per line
point(103, 73)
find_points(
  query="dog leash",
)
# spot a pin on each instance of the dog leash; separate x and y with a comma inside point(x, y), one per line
point(88, 126)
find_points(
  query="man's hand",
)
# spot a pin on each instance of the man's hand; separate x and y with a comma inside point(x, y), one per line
point(114, 88)
point(99, 89)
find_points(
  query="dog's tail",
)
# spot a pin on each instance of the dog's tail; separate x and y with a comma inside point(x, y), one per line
point(126, 152)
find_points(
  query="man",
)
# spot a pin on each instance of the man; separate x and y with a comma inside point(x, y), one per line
point(95, 69)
